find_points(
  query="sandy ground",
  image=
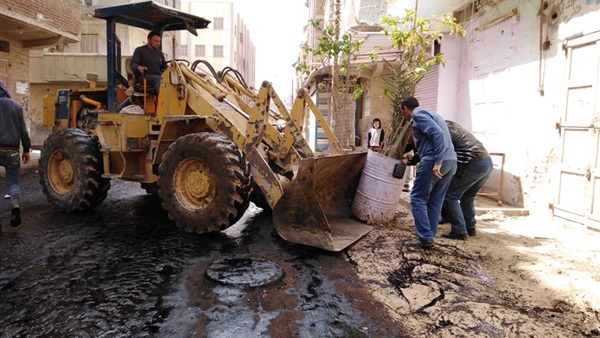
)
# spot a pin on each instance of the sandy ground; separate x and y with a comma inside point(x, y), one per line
point(519, 277)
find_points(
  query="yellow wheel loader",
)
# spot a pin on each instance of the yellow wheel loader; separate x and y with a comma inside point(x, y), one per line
point(206, 144)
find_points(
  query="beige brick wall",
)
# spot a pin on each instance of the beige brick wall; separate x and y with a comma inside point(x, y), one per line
point(63, 15)
point(14, 70)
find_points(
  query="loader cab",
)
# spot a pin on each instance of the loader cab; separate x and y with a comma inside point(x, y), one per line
point(80, 108)
point(147, 15)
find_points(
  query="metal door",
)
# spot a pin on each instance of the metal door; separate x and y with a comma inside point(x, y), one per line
point(578, 197)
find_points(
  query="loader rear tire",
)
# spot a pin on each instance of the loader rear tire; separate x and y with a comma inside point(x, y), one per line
point(204, 182)
point(70, 169)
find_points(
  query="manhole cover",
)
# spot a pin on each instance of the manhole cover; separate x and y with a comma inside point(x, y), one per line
point(246, 272)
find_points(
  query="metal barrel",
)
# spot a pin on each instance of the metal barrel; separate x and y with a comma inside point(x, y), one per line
point(378, 193)
point(315, 208)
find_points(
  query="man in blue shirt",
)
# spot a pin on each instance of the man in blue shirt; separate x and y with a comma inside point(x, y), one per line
point(434, 172)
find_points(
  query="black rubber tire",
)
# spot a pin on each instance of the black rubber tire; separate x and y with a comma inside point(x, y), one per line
point(150, 188)
point(204, 182)
point(70, 169)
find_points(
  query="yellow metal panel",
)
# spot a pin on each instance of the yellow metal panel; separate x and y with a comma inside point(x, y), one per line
point(172, 95)
point(130, 125)
point(110, 135)
point(74, 108)
point(49, 113)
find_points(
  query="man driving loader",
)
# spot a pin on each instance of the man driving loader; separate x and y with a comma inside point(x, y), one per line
point(149, 61)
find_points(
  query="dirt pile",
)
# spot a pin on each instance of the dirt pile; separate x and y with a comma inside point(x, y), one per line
point(516, 278)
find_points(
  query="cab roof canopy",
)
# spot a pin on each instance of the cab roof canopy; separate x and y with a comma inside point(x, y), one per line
point(146, 15)
point(151, 16)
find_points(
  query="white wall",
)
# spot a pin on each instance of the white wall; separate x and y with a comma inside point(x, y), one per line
point(499, 84)
point(426, 8)
point(498, 91)
point(499, 96)
point(449, 76)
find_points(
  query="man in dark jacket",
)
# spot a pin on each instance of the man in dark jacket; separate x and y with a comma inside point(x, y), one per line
point(474, 167)
point(13, 132)
point(148, 60)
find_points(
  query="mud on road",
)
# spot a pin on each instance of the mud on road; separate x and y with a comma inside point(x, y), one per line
point(125, 270)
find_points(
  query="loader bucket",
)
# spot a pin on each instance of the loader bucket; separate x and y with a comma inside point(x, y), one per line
point(315, 209)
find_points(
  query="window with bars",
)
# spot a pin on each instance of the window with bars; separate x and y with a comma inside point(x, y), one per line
point(89, 43)
point(218, 23)
point(183, 50)
point(200, 51)
point(218, 51)
point(4, 46)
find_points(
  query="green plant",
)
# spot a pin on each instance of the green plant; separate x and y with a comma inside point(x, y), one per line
point(413, 39)
point(336, 54)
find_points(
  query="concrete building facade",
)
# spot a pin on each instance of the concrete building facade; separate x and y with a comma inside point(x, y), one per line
point(25, 26)
point(226, 42)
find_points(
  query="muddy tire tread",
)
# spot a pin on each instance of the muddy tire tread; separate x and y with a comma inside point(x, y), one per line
point(235, 182)
point(90, 188)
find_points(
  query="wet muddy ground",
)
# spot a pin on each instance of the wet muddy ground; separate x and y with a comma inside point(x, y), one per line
point(512, 280)
point(125, 270)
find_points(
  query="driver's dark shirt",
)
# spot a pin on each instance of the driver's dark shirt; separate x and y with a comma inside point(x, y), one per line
point(153, 59)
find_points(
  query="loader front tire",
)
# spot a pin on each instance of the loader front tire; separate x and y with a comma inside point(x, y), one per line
point(70, 169)
point(204, 182)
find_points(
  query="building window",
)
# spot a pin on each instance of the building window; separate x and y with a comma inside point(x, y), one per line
point(89, 43)
point(200, 51)
point(218, 23)
point(218, 51)
point(4, 46)
point(366, 109)
point(234, 56)
point(183, 50)
point(241, 38)
point(437, 47)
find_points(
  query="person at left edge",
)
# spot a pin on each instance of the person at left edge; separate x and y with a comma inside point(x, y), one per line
point(13, 132)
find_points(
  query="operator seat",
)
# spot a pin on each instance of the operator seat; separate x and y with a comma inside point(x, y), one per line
point(137, 96)
point(137, 87)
